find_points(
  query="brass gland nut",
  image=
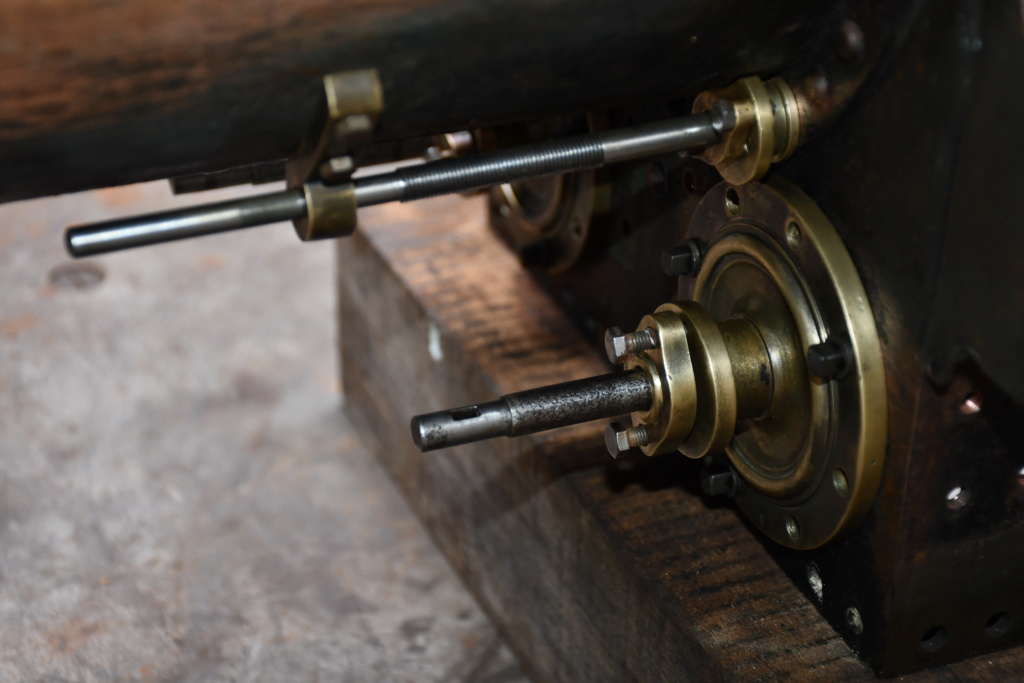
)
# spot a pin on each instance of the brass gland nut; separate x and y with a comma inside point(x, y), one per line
point(705, 376)
point(766, 127)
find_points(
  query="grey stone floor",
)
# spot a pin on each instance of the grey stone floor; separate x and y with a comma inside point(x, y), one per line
point(180, 496)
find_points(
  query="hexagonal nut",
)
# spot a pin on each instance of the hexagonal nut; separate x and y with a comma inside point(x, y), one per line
point(723, 116)
point(831, 359)
point(719, 482)
point(337, 169)
point(616, 439)
point(677, 261)
point(616, 345)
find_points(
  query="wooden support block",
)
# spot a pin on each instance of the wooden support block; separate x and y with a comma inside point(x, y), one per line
point(594, 570)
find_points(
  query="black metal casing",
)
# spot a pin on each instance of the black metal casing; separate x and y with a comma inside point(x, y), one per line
point(918, 174)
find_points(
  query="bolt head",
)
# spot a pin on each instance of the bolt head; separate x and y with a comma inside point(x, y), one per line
point(718, 482)
point(829, 360)
point(683, 259)
point(677, 261)
point(615, 345)
point(337, 169)
point(616, 439)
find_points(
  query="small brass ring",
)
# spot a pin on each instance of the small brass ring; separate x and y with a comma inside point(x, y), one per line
point(330, 212)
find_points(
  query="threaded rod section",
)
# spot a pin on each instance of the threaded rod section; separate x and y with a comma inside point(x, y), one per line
point(445, 176)
point(579, 153)
point(530, 161)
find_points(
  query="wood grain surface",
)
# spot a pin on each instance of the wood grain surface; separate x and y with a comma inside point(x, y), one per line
point(101, 92)
point(593, 570)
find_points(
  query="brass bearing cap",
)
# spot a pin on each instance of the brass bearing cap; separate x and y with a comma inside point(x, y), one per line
point(730, 372)
point(766, 127)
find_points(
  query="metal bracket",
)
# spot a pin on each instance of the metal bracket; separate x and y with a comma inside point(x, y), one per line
point(354, 101)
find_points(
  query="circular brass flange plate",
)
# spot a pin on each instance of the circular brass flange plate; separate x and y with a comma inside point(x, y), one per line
point(812, 462)
point(558, 210)
point(674, 405)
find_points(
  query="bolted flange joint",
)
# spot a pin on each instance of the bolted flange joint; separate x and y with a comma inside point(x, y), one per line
point(831, 359)
point(619, 346)
point(619, 438)
point(719, 481)
point(683, 259)
point(760, 123)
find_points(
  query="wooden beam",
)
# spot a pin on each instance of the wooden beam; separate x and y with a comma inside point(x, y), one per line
point(593, 570)
point(102, 92)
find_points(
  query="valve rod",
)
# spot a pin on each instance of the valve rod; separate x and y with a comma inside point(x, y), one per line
point(194, 221)
point(445, 176)
point(535, 410)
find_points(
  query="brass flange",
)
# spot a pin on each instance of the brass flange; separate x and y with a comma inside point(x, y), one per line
point(550, 219)
point(775, 282)
point(715, 386)
point(766, 127)
point(700, 377)
point(673, 410)
point(557, 211)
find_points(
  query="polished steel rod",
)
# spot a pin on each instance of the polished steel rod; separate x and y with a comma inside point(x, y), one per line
point(445, 176)
point(536, 410)
point(154, 228)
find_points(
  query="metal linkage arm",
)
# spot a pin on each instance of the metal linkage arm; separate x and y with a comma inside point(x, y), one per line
point(446, 176)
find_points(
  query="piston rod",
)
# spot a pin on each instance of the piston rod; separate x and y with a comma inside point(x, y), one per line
point(445, 176)
point(536, 410)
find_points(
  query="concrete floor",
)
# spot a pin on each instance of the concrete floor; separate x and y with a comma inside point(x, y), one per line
point(180, 496)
